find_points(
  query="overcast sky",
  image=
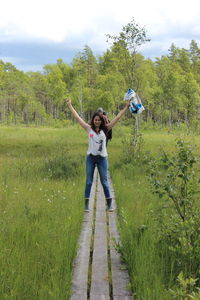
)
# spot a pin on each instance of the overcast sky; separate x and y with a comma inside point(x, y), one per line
point(38, 32)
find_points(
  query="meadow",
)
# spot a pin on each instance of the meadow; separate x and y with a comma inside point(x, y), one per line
point(41, 210)
point(42, 178)
point(156, 245)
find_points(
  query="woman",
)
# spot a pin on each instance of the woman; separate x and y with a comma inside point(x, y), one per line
point(97, 152)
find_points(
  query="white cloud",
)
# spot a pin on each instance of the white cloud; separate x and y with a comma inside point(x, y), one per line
point(74, 23)
point(62, 19)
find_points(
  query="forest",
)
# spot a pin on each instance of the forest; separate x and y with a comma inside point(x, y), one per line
point(169, 86)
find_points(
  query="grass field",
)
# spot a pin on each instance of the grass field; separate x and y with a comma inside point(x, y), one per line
point(41, 209)
point(136, 208)
point(42, 177)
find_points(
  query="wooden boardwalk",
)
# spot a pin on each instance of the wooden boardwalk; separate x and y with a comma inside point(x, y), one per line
point(99, 273)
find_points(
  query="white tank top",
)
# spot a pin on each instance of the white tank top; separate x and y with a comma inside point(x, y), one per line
point(97, 143)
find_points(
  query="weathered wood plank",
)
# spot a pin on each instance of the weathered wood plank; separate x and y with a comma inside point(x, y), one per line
point(79, 297)
point(99, 297)
point(123, 298)
point(99, 288)
point(100, 283)
point(81, 263)
point(120, 278)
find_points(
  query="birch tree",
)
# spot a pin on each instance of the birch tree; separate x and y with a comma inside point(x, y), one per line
point(127, 44)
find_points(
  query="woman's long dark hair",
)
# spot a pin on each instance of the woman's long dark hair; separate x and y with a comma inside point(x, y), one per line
point(103, 124)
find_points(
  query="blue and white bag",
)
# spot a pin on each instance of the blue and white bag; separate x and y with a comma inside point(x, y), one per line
point(136, 106)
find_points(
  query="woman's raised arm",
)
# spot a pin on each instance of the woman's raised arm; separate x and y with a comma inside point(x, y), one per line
point(118, 116)
point(76, 115)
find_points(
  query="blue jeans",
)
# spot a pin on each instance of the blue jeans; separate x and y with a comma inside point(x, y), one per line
point(102, 165)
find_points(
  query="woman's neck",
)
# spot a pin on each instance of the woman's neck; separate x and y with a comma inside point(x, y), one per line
point(97, 129)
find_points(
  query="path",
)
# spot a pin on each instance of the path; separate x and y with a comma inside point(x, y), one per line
point(99, 273)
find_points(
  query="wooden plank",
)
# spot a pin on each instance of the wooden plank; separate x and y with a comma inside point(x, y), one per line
point(123, 298)
point(81, 263)
point(120, 278)
point(78, 297)
point(99, 288)
point(99, 283)
point(99, 297)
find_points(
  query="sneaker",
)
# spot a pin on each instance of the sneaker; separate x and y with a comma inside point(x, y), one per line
point(111, 209)
point(87, 205)
point(130, 94)
point(140, 109)
point(109, 204)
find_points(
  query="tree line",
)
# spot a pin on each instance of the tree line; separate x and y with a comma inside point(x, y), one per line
point(169, 86)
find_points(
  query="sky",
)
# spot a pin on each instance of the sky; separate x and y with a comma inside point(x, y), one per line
point(38, 32)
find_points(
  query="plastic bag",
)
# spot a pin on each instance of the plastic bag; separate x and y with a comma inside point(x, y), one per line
point(136, 106)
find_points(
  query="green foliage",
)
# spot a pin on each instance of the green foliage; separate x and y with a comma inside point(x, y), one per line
point(125, 45)
point(132, 154)
point(179, 180)
point(138, 248)
point(62, 166)
point(186, 289)
point(169, 86)
point(175, 179)
point(157, 244)
point(40, 217)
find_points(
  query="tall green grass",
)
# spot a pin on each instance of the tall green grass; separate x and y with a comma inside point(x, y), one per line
point(41, 210)
point(136, 209)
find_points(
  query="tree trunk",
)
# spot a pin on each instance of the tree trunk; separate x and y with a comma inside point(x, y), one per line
point(170, 118)
point(136, 132)
point(34, 116)
point(25, 117)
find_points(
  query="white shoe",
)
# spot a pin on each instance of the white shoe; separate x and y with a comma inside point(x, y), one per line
point(130, 94)
point(111, 209)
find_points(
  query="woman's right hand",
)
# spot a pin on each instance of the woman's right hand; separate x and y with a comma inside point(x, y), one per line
point(68, 101)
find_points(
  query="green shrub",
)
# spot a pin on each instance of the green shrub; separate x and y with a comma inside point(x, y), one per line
point(63, 166)
point(186, 289)
point(175, 180)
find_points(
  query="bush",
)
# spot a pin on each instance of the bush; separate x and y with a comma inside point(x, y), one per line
point(63, 166)
point(186, 289)
point(175, 180)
